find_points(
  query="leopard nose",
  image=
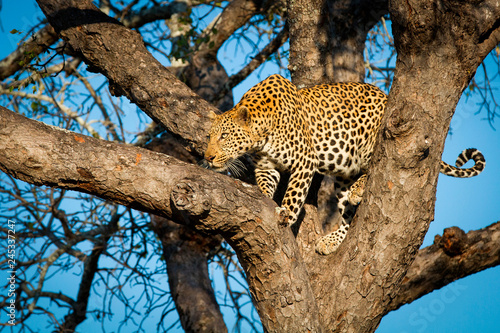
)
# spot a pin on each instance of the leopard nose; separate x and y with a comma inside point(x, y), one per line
point(209, 158)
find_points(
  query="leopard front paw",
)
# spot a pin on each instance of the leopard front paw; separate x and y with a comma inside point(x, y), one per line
point(285, 217)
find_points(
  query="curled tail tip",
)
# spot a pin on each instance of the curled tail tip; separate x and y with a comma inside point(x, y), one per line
point(464, 157)
point(469, 154)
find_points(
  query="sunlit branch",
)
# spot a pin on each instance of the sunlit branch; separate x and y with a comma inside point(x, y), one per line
point(453, 255)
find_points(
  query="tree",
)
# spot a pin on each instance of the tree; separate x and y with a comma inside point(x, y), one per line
point(439, 44)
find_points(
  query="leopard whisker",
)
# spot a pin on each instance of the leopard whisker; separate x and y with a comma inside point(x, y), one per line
point(236, 167)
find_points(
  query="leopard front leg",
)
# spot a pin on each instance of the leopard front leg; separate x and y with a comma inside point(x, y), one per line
point(266, 175)
point(329, 243)
point(267, 180)
point(295, 195)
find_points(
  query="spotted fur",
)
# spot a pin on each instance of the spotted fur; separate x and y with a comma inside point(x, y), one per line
point(330, 129)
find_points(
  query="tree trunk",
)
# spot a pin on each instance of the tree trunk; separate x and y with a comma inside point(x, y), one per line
point(327, 39)
point(432, 70)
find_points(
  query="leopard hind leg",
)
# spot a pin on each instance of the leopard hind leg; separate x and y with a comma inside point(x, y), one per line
point(349, 194)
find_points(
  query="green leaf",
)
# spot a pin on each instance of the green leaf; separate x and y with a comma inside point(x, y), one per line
point(15, 31)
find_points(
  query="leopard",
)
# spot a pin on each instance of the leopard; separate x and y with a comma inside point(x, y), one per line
point(329, 129)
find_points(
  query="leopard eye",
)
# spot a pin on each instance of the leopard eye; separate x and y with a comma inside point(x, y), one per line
point(224, 135)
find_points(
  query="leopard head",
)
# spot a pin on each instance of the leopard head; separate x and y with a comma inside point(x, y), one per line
point(231, 136)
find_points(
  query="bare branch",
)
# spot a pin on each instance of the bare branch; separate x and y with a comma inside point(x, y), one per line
point(27, 51)
point(79, 313)
point(66, 110)
point(454, 255)
point(46, 36)
point(234, 16)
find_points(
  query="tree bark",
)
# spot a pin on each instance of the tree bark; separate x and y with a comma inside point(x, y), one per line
point(327, 39)
point(46, 36)
point(28, 152)
point(186, 252)
point(453, 255)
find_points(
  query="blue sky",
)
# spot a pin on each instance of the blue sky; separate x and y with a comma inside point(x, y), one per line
point(468, 305)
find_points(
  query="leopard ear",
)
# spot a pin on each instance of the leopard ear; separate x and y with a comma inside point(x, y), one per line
point(212, 115)
point(243, 116)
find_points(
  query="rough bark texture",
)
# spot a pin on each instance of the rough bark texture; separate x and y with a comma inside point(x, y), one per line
point(327, 39)
point(186, 252)
point(41, 154)
point(398, 205)
point(46, 36)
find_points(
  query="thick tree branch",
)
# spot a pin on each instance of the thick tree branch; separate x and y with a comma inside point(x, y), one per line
point(434, 65)
point(154, 13)
point(28, 146)
point(46, 36)
point(327, 39)
point(454, 255)
point(45, 155)
point(368, 269)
